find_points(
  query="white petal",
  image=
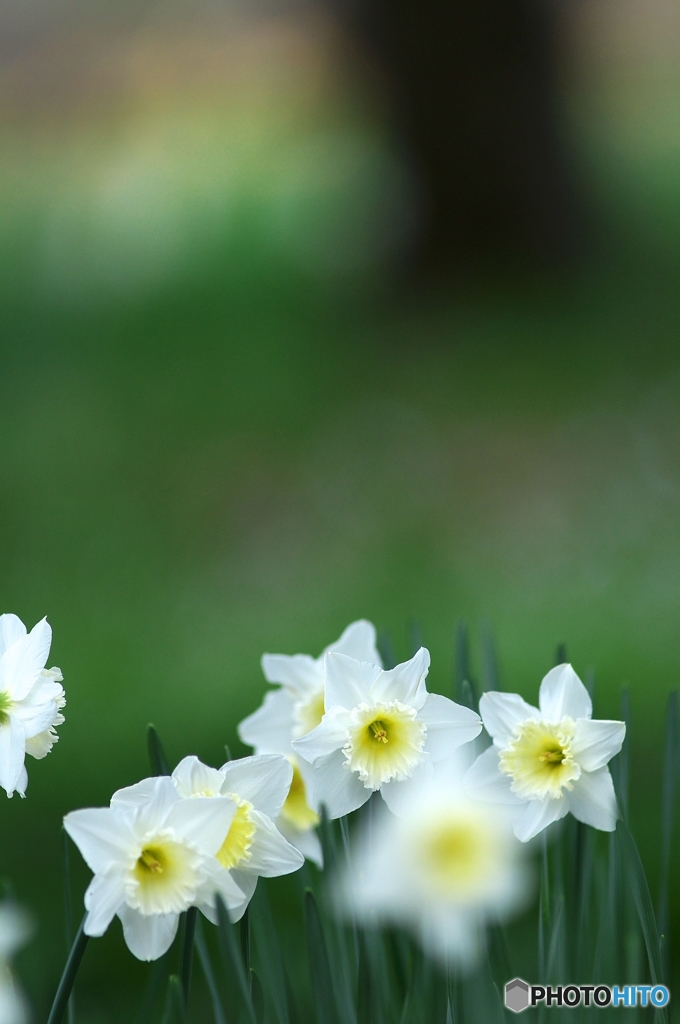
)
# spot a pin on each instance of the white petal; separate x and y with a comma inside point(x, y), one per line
point(270, 728)
point(485, 781)
point(338, 789)
point(148, 936)
point(38, 710)
point(405, 682)
point(247, 883)
point(11, 630)
point(596, 742)
point(399, 795)
point(449, 725)
point(193, 778)
point(537, 815)
point(219, 880)
point(22, 782)
point(39, 746)
point(298, 673)
point(155, 799)
point(306, 842)
point(264, 780)
point(502, 712)
point(104, 897)
point(593, 801)
point(329, 735)
point(12, 752)
point(359, 642)
point(271, 855)
point(562, 693)
point(348, 682)
point(23, 662)
point(103, 836)
point(203, 820)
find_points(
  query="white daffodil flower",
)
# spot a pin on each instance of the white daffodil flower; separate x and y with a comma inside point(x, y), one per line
point(549, 760)
point(31, 699)
point(253, 846)
point(15, 931)
point(294, 709)
point(444, 866)
point(380, 727)
point(153, 857)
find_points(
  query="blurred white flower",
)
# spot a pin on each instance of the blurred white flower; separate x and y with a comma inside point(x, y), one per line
point(549, 760)
point(290, 712)
point(253, 846)
point(380, 727)
point(31, 699)
point(153, 857)
point(15, 931)
point(443, 866)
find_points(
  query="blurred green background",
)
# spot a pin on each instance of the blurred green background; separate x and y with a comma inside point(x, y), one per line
point(228, 426)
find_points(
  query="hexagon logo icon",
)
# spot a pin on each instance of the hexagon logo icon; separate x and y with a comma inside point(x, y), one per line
point(517, 995)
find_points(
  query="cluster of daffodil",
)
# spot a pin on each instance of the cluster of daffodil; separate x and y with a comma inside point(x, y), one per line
point(444, 855)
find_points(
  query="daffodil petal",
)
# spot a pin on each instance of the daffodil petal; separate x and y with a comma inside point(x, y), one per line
point(193, 778)
point(12, 629)
point(502, 712)
point(247, 883)
point(537, 815)
point(449, 725)
point(485, 781)
point(337, 789)
point(593, 800)
point(298, 672)
point(358, 641)
point(148, 936)
point(307, 841)
point(596, 741)
point(399, 795)
point(102, 835)
point(104, 897)
point(134, 796)
point(220, 881)
point(270, 854)
point(562, 694)
point(12, 752)
point(330, 735)
point(159, 799)
point(203, 820)
point(348, 682)
point(405, 682)
point(263, 780)
point(269, 729)
point(23, 662)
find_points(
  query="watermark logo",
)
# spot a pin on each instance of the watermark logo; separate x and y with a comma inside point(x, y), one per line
point(520, 995)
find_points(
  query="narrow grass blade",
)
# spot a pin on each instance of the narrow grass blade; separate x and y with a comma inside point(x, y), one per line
point(561, 654)
point(386, 649)
point(642, 900)
point(462, 668)
point(157, 977)
point(269, 953)
point(670, 772)
point(206, 966)
point(68, 909)
point(69, 975)
point(319, 964)
point(174, 1012)
point(233, 964)
point(186, 951)
point(244, 938)
point(257, 996)
point(159, 762)
point(491, 674)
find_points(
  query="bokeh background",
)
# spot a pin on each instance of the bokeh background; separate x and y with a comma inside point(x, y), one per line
point(313, 312)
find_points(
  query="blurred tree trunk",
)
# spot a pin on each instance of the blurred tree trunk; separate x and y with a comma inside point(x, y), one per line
point(475, 97)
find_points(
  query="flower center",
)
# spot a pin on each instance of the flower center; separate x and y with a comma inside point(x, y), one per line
point(6, 703)
point(457, 855)
point(164, 877)
point(539, 759)
point(308, 713)
point(296, 811)
point(385, 743)
point(235, 850)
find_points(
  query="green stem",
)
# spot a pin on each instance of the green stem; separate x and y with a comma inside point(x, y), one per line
point(186, 951)
point(69, 976)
